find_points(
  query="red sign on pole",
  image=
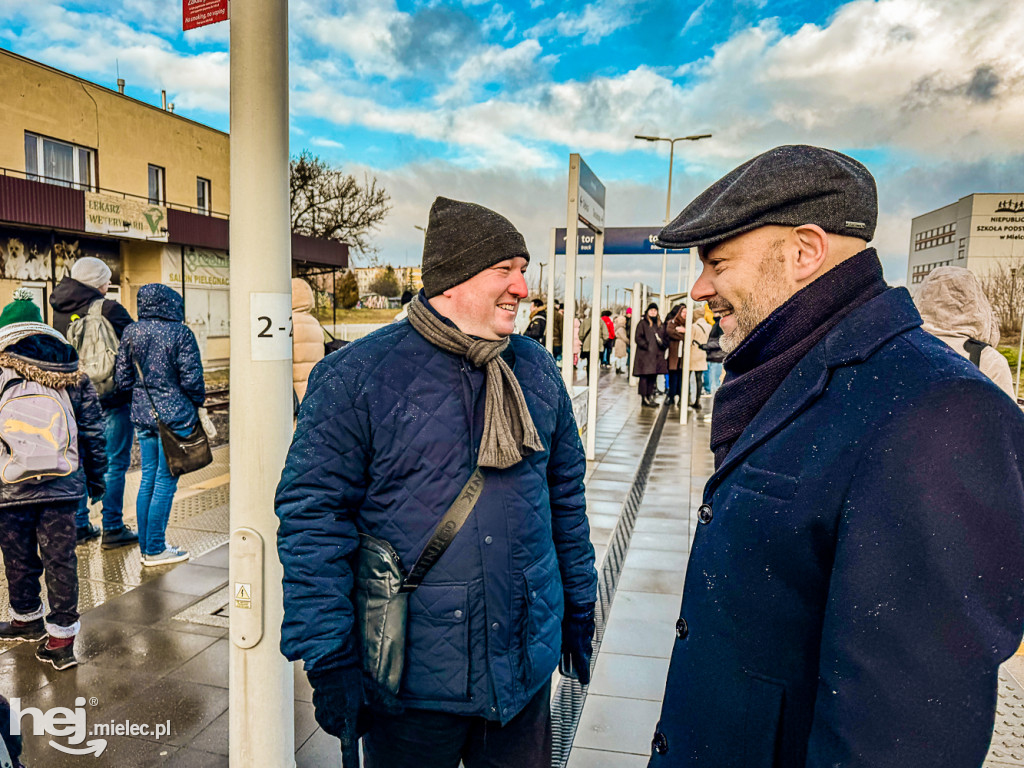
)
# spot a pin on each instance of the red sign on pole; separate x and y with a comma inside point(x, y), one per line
point(199, 13)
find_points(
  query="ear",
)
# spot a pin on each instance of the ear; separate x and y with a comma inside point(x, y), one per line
point(812, 251)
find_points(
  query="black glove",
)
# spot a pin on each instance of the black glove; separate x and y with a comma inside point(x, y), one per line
point(577, 641)
point(337, 698)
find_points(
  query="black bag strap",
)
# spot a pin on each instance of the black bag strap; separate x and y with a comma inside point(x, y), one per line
point(446, 530)
point(973, 347)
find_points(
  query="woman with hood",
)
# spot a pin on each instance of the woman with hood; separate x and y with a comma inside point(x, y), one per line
point(49, 413)
point(650, 355)
point(307, 336)
point(954, 308)
point(620, 356)
point(166, 352)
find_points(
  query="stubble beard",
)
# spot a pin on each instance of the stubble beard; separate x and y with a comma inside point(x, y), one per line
point(771, 293)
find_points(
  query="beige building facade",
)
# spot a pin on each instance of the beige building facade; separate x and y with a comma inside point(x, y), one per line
point(408, 277)
point(87, 170)
point(978, 232)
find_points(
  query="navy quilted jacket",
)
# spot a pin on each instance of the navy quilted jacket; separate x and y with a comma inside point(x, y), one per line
point(387, 435)
point(168, 354)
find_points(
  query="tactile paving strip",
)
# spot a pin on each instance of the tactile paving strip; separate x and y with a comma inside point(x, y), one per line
point(1008, 739)
point(567, 703)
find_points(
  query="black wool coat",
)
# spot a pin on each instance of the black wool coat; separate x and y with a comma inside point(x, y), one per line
point(857, 573)
point(650, 349)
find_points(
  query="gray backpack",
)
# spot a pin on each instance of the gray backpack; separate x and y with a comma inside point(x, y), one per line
point(95, 340)
point(38, 430)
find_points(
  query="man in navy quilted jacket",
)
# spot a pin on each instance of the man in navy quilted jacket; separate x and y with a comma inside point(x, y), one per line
point(391, 429)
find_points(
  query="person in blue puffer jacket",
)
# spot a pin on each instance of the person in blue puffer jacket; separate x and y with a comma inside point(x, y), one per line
point(390, 430)
point(166, 351)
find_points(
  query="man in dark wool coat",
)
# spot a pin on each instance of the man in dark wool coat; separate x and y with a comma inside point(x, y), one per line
point(391, 429)
point(857, 573)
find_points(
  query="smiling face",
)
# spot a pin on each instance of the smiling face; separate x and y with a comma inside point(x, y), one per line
point(485, 305)
point(745, 279)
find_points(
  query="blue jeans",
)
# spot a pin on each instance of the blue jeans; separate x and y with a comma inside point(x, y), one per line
point(713, 380)
point(156, 494)
point(118, 432)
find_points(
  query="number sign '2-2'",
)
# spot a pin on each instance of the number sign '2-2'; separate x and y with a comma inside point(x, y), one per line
point(270, 324)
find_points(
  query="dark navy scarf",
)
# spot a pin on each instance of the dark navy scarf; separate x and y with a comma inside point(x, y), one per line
point(756, 368)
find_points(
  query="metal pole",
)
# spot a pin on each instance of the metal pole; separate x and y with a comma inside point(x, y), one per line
point(594, 364)
point(261, 690)
point(571, 223)
point(549, 325)
point(540, 282)
point(636, 300)
point(662, 305)
point(688, 338)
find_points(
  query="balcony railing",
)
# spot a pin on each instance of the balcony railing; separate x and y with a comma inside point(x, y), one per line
point(103, 190)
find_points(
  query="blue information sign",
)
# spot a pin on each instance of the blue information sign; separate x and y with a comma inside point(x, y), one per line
point(617, 241)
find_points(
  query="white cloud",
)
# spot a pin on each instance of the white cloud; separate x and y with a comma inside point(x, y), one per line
point(97, 46)
point(321, 141)
point(596, 21)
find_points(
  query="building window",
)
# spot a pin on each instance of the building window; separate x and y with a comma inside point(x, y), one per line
point(203, 195)
point(58, 162)
point(157, 188)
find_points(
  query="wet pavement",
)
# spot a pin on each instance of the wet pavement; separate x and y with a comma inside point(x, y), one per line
point(154, 647)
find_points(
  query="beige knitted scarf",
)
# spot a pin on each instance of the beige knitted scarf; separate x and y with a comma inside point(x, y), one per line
point(508, 427)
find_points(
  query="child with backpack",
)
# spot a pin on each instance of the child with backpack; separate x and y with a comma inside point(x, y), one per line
point(51, 454)
point(93, 325)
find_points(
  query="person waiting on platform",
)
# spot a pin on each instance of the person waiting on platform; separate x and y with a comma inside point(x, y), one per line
point(857, 573)
point(449, 416)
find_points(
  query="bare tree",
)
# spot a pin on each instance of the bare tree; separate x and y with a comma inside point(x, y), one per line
point(1004, 286)
point(330, 204)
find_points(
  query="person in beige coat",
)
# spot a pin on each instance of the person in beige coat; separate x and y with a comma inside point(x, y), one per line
point(307, 336)
point(620, 355)
point(698, 357)
point(954, 308)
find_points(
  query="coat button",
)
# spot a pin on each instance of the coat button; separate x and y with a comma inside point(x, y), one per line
point(660, 743)
point(458, 613)
point(704, 513)
point(495, 626)
point(682, 630)
point(488, 539)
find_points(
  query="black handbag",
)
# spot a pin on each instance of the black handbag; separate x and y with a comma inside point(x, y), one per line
point(184, 454)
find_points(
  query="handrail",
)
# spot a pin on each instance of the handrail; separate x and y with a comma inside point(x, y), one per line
point(95, 188)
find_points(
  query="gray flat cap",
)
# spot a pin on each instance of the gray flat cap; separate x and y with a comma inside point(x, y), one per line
point(791, 185)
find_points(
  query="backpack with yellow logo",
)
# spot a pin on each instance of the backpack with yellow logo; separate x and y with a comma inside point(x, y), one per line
point(38, 431)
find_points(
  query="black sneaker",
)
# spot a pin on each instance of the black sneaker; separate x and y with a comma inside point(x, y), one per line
point(22, 630)
point(60, 658)
point(87, 532)
point(119, 537)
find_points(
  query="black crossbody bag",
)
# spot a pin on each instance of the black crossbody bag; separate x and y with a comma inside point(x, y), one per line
point(184, 454)
point(383, 588)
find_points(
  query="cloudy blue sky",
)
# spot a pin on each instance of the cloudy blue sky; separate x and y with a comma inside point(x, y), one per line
point(484, 101)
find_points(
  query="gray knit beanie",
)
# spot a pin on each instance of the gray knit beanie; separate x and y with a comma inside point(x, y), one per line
point(464, 239)
point(90, 271)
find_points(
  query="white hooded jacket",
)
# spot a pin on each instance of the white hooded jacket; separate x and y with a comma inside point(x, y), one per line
point(954, 308)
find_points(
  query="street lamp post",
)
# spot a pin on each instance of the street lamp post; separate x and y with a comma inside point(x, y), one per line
point(668, 200)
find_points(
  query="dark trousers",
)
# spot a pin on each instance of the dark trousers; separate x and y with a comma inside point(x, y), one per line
point(28, 531)
point(675, 383)
point(698, 388)
point(420, 738)
point(648, 384)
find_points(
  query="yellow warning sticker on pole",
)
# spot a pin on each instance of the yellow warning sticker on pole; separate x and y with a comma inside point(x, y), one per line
point(243, 595)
